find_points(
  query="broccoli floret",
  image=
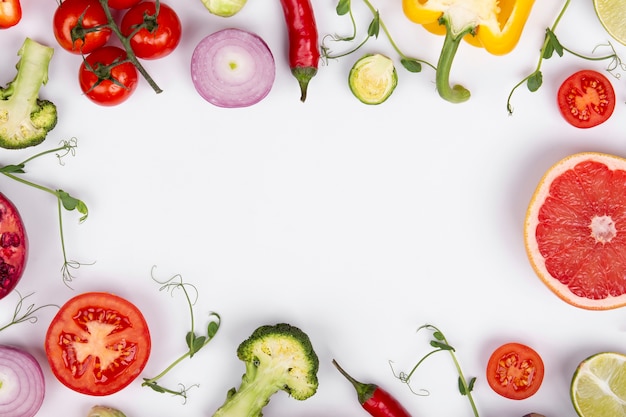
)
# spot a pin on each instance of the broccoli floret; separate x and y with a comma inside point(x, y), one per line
point(25, 119)
point(277, 357)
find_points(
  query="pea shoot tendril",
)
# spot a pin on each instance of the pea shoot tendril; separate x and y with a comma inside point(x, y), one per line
point(193, 341)
point(64, 199)
point(343, 8)
point(26, 316)
point(440, 344)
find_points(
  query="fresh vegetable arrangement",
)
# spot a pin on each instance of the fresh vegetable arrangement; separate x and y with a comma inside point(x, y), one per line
point(414, 202)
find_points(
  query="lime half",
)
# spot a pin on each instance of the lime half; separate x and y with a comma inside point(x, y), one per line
point(612, 15)
point(599, 386)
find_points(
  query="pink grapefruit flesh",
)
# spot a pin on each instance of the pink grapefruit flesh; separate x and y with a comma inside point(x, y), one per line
point(575, 230)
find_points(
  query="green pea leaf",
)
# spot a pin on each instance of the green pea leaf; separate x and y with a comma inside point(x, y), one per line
point(212, 329)
point(13, 169)
point(374, 27)
point(412, 65)
point(552, 45)
point(343, 7)
point(470, 386)
point(534, 81)
point(189, 338)
point(441, 345)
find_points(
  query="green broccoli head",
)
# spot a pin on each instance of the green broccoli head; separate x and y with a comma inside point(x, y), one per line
point(277, 357)
point(25, 119)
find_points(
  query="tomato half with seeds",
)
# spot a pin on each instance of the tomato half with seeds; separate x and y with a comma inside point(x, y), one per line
point(98, 343)
point(586, 99)
point(515, 371)
point(13, 246)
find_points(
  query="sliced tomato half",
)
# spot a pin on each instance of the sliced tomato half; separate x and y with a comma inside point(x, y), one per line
point(515, 371)
point(97, 343)
point(586, 99)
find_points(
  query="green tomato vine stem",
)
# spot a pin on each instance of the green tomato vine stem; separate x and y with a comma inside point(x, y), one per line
point(125, 41)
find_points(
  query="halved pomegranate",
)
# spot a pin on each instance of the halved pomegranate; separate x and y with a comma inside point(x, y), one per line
point(13, 246)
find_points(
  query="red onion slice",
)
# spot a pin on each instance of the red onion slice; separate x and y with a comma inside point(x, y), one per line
point(232, 68)
point(22, 385)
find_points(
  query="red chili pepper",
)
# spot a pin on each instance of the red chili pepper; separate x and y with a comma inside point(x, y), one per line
point(10, 13)
point(375, 400)
point(304, 51)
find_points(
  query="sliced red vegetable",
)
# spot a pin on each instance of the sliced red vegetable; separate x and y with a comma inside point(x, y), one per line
point(13, 247)
point(515, 371)
point(586, 99)
point(98, 343)
point(233, 68)
point(22, 384)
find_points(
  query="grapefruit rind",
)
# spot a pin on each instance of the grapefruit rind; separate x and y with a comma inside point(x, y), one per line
point(537, 261)
point(597, 387)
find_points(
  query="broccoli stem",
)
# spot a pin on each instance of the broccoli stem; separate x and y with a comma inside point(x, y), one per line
point(457, 93)
point(252, 396)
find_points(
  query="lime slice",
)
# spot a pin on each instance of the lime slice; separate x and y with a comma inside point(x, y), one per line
point(612, 15)
point(599, 386)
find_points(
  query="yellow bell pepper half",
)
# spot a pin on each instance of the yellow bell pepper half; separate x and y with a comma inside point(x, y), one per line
point(495, 25)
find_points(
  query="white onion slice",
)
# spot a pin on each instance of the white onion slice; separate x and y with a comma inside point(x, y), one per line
point(22, 385)
point(232, 68)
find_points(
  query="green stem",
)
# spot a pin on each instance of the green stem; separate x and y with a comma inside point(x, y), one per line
point(150, 381)
point(457, 93)
point(464, 382)
point(125, 41)
point(390, 38)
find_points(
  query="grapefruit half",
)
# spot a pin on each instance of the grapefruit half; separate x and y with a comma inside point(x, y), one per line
point(575, 230)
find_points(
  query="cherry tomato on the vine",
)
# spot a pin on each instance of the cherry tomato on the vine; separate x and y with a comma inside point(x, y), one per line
point(160, 34)
point(586, 99)
point(97, 343)
point(515, 371)
point(10, 13)
point(106, 77)
point(79, 26)
point(122, 4)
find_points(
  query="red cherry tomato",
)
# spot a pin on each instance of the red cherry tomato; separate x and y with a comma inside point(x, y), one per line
point(10, 13)
point(515, 371)
point(586, 99)
point(161, 33)
point(13, 246)
point(98, 343)
point(106, 77)
point(72, 18)
point(122, 4)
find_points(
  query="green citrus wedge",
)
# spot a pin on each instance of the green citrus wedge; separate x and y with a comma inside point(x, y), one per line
point(612, 15)
point(599, 386)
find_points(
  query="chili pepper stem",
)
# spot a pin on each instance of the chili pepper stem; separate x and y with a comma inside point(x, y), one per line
point(304, 75)
point(364, 391)
point(457, 93)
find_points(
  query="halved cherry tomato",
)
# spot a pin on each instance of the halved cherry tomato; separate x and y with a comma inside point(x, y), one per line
point(83, 20)
point(106, 77)
point(161, 34)
point(97, 343)
point(515, 371)
point(122, 4)
point(586, 99)
point(10, 13)
point(13, 246)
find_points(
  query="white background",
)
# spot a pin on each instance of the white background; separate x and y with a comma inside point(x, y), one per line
point(356, 223)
